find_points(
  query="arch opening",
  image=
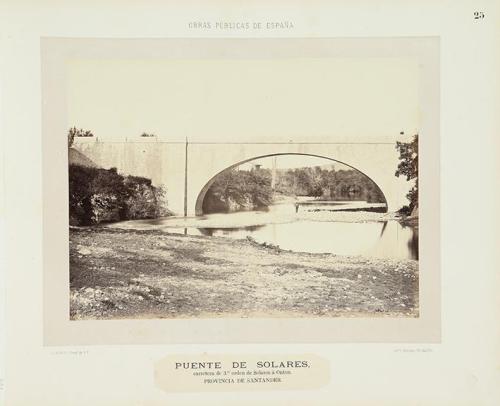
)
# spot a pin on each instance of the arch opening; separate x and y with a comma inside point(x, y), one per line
point(199, 210)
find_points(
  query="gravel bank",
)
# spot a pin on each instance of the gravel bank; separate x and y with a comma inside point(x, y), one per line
point(151, 274)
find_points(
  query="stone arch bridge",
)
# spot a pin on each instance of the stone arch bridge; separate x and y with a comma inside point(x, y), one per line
point(187, 180)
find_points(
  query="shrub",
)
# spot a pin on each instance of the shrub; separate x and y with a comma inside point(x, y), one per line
point(97, 195)
point(405, 210)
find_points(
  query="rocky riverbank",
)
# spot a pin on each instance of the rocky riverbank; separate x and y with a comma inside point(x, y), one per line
point(151, 274)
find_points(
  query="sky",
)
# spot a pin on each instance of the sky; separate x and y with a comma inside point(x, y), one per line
point(292, 161)
point(220, 100)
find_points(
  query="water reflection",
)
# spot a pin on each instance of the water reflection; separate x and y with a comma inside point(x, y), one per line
point(413, 242)
point(280, 225)
point(375, 239)
point(226, 231)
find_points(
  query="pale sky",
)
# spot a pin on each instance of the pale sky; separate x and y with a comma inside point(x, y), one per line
point(292, 161)
point(217, 99)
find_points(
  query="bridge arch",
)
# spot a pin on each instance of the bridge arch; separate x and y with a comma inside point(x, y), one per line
point(201, 195)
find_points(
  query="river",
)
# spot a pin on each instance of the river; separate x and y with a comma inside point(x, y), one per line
point(282, 226)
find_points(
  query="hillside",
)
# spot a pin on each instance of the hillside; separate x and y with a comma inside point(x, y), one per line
point(75, 157)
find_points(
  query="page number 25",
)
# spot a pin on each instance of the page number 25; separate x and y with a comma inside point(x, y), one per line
point(478, 15)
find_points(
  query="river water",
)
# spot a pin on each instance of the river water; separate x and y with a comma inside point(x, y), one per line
point(281, 226)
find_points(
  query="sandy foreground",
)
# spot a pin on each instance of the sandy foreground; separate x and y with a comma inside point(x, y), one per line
point(150, 274)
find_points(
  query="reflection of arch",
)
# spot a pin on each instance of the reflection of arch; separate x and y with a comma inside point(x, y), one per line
point(203, 192)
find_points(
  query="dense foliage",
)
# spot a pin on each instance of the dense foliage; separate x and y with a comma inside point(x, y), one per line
point(328, 184)
point(97, 195)
point(234, 190)
point(77, 132)
point(408, 167)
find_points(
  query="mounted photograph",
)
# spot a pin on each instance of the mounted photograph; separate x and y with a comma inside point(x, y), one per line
point(243, 188)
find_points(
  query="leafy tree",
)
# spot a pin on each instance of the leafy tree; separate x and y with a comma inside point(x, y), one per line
point(316, 190)
point(71, 138)
point(408, 167)
point(235, 190)
point(77, 132)
point(328, 184)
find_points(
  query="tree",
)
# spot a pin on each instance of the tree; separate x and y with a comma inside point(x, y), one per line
point(408, 167)
point(237, 190)
point(77, 132)
point(71, 138)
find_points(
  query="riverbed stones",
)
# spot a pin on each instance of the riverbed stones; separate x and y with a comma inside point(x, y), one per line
point(243, 278)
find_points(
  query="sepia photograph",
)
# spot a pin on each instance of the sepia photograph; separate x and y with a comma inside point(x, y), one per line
point(243, 188)
point(219, 204)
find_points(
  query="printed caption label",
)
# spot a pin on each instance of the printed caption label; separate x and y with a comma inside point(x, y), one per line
point(217, 373)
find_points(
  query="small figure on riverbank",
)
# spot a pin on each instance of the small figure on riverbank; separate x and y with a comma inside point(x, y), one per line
point(296, 207)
